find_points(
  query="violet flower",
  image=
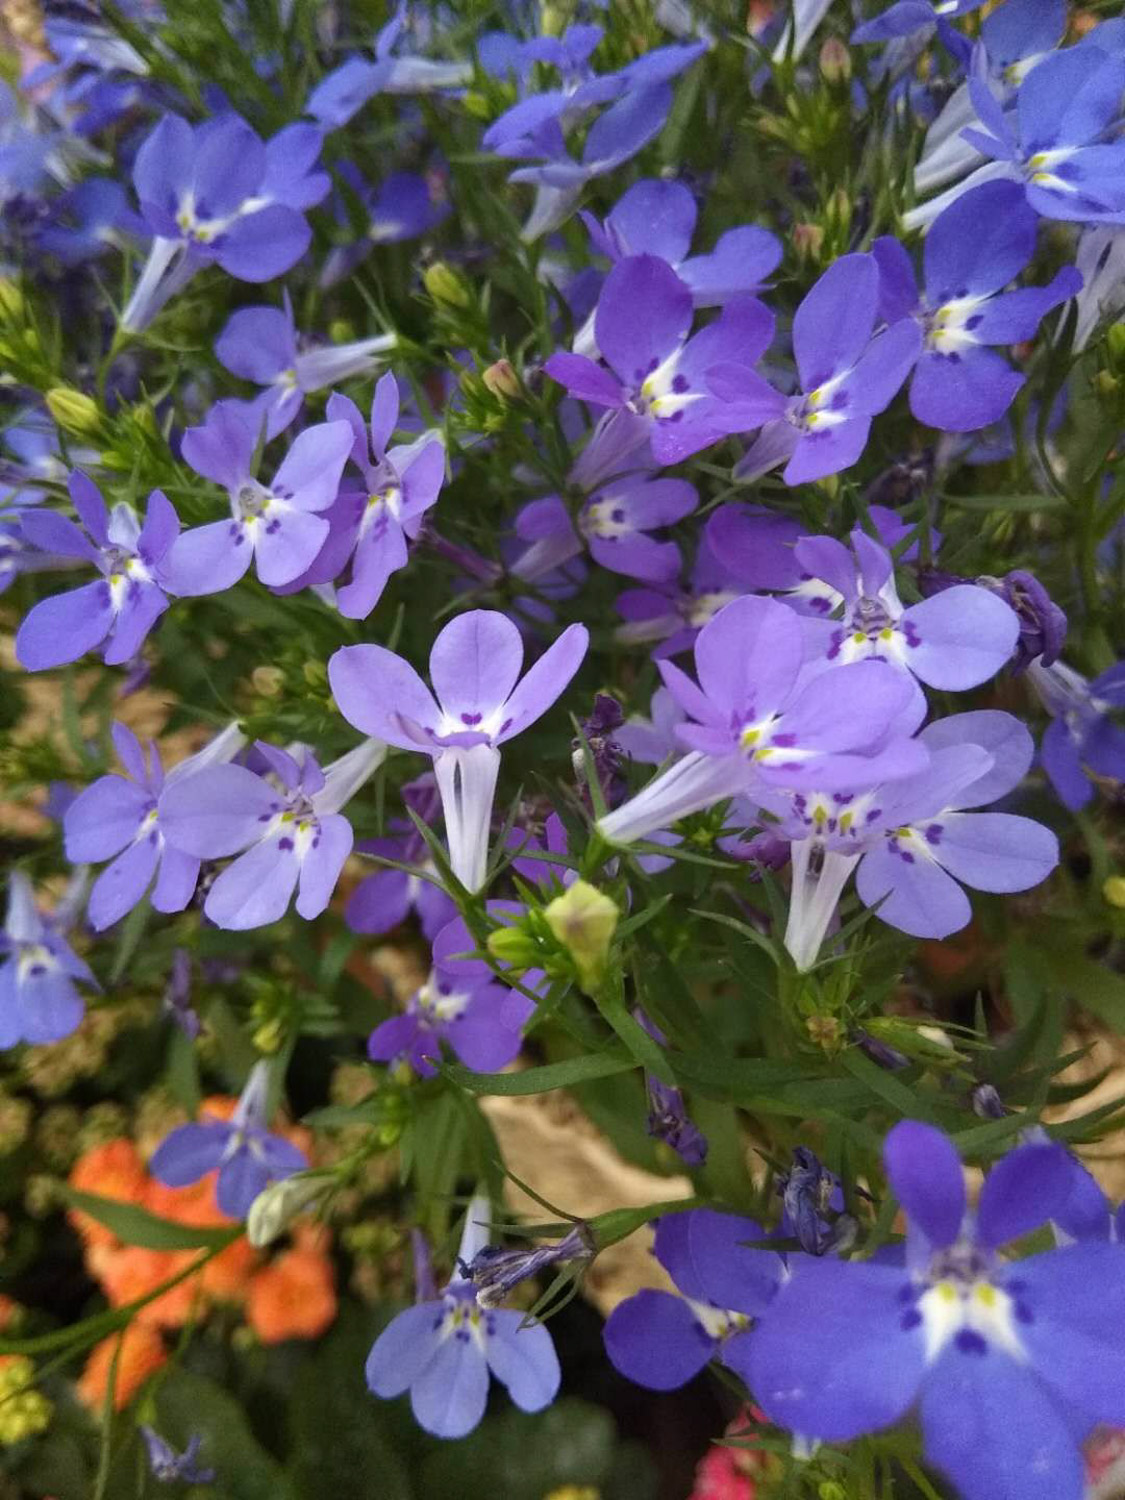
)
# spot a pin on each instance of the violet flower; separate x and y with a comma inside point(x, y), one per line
point(443, 1350)
point(1082, 738)
point(117, 612)
point(847, 375)
point(177, 996)
point(261, 344)
point(277, 525)
point(384, 899)
point(659, 373)
point(1043, 625)
point(1011, 1362)
point(169, 1467)
point(668, 1119)
point(496, 1273)
point(243, 1151)
point(289, 836)
point(217, 193)
point(662, 1341)
point(117, 818)
point(975, 249)
point(481, 703)
point(344, 91)
point(404, 206)
point(39, 1001)
point(370, 529)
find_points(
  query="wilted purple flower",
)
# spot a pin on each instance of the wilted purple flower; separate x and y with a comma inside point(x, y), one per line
point(38, 999)
point(118, 611)
point(758, 721)
point(996, 1352)
point(403, 206)
point(247, 1156)
point(956, 639)
point(169, 1467)
point(369, 529)
point(177, 995)
point(653, 740)
point(1082, 738)
point(293, 834)
point(386, 898)
point(217, 192)
point(977, 247)
point(599, 730)
point(662, 1341)
point(117, 818)
point(277, 525)
point(667, 1114)
point(613, 523)
point(847, 376)
point(496, 1273)
point(261, 344)
point(480, 1019)
point(813, 1206)
point(660, 374)
point(442, 1351)
point(474, 666)
point(1043, 624)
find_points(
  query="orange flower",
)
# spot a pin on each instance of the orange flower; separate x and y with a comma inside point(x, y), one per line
point(142, 1354)
point(133, 1272)
point(227, 1277)
point(114, 1170)
point(293, 1298)
point(194, 1205)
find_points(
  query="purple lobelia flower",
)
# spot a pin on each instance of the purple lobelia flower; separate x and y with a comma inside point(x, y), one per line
point(758, 721)
point(613, 523)
point(117, 818)
point(217, 193)
point(386, 898)
point(659, 373)
point(369, 529)
point(248, 1157)
point(88, 220)
point(1043, 625)
point(914, 841)
point(289, 834)
point(481, 1020)
point(1053, 141)
point(496, 1272)
point(974, 250)
point(653, 740)
point(956, 639)
point(662, 1341)
point(813, 1206)
point(847, 375)
point(277, 525)
point(1011, 1362)
point(443, 1350)
point(39, 1001)
point(403, 206)
point(339, 95)
point(117, 612)
point(169, 1467)
point(261, 344)
point(1082, 738)
point(668, 1119)
point(481, 702)
point(907, 17)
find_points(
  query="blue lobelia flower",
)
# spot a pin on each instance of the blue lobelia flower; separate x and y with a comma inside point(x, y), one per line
point(88, 220)
point(847, 374)
point(261, 344)
point(1082, 739)
point(908, 17)
point(369, 529)
point(117, 612)
point(662, 1341)
point(480, 703)
point(955, 640)
point(217, 192)
point(659, 373)
point(974, 250)
point(39, 1001)
point(243, 1151)
point(289, 834)
point(1010, 1362)
point(384, 899)
point(759, 721)
point(278, 525)
point(117, 818)
point(401, 207)
point(169, 1467)
point(481, 1020)
point(442, 1350)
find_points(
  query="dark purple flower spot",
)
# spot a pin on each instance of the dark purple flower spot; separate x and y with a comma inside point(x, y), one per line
point(912, 1318)
point(285, 844)
point(933, 833)
point(969, 1341)
point(1023, 1313)
point(471, 719)
point(680, 384)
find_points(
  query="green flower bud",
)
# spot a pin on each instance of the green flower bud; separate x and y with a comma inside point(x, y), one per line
point(445, 285)
point(501, 380)
point(584, 919)
point(74, 411)
point(511, 945)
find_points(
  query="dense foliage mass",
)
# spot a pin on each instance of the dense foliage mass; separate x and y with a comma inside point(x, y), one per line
point(561, 552)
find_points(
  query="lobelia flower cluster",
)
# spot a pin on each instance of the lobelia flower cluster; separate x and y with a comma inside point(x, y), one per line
point(705, 455)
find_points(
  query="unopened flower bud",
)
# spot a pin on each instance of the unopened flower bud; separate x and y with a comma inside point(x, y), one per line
point(445, 285)
point(502, 381)
point(835, 61)
point(513, 946)
point(268, 681)
point(11, 298)
point(74, 411)
point(1113, 889)
point(275, 1208)
point(584, 920)
point(807, 241)
point(1115, 345)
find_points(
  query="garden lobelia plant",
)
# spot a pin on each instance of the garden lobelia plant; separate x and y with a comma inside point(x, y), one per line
point(562, 562)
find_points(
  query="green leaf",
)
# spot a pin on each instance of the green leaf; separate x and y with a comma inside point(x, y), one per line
point(136, 1226)
point(188, 1404)
point(559, 1075)
point(1021, 503)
